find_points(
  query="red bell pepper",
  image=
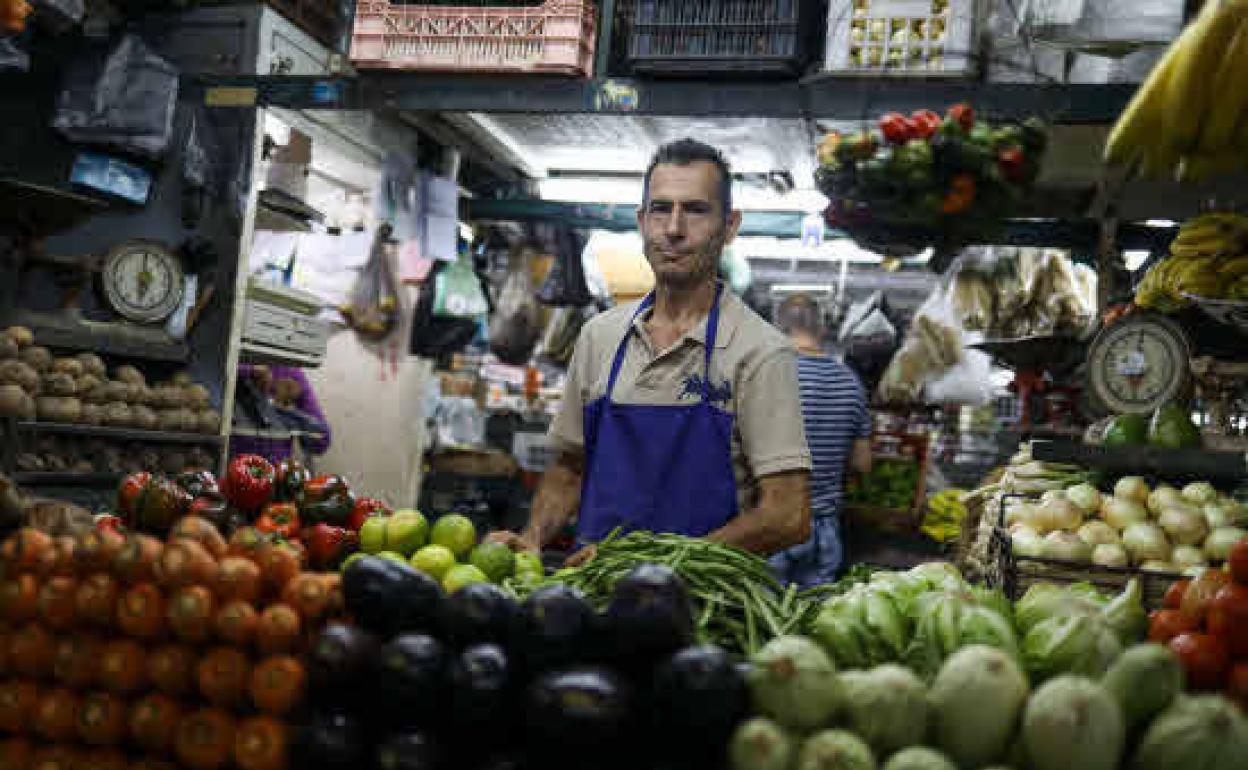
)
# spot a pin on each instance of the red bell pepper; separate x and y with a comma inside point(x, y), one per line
point(897, 128)
point(159, 505)
point(129, 490)
point(926, 123)
point(328, 499)
point(249, 482)
point(365, 508)
point(280, 519)
point(109, 522)
point(328, 545)
point(1012, 163)
point(962, 114)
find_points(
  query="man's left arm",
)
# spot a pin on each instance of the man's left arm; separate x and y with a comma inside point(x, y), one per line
point(780, 520)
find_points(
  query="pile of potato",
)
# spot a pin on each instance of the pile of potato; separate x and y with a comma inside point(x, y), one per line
point(77, 454)
point(77, 389)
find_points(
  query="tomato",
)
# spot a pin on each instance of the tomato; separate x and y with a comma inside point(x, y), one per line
point(57, 758)
point(185, 563)
point(1237, 684)
point(1205, 659)
point(96, 600)
point(278, 629)
point(896, 128)
point(248, 542)
point(171, 669)
point(19, 599)
point(129, 490)
point(281, 519)
point(25, 549)
point(102, 758)
point(963, 115)
point(147, 763)
point(102, 719)
point(249, 482)
point(260, 744)
point(1238, 561)
point(201, 531)
point(123, 666)
point(58, 607)
point(1174, 594)
point(58, 561)
point(141, 611)
point(926, 123)
point(205, 739)
point(279, 563)
point(135, 561)
point(277, 684)
point(1200, 593)
point(235, 623)
point(30, 650)
point(153, 722)
point(308, 593)
point(191, 610)
point(18, 700)
point(1164, 625)
point(1228, 618)
point(238, 578)
point(223, 676)
point(97, 549)
point(16, 754)
point(56, 716)
point(329, 545)
point(75, 660)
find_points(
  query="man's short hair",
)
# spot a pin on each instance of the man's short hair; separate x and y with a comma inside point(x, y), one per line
point(800, 312)
point(682, 152)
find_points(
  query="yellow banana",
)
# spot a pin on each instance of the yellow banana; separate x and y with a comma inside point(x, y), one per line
point(1217, 135)
point(1190, 90)
point(1140, 122)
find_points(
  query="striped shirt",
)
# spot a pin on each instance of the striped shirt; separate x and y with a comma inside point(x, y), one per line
point(834, 409)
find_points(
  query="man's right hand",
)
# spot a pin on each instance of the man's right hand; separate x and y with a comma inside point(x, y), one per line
point(516, 542)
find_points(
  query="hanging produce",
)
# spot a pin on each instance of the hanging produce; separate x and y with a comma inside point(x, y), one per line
point(1186, 120)
point(1208, 259)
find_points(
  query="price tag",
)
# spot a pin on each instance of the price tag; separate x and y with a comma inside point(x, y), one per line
point(230, 96)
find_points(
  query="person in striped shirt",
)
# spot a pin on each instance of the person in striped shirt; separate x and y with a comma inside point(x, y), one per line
point(838, 431)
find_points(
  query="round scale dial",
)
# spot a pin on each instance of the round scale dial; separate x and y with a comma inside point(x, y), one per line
point(142, 281)
point(1139, 364)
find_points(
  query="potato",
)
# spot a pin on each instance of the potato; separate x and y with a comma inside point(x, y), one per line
point(28, 407)
point(144, 417)
point(128, 374)
point(38, 358)
point(20, 335)
point(182, 378)
point(190, 420)
point(209, 421)
point(92, 414)
point(29, 461)
point(93, 364)
point(196, 397)
point(169, 396)
point(82, 466)
point(117, 391)
point(97, 393)
point(142, 395)
point(56, 462)
point(12, 397)
point(58, 409)
point(59, 384)
point(71, 366)
point(117, 414)
point(8, 348)
point(173, 462)
point(21, 374)
point(169, 420)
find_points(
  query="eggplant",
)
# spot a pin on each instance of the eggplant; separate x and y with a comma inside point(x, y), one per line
point(557, 627)
point(649, 617)
point(481, 613)
point(341, 657)
point(578, 712)
point(389, 598)
point(698, 698)
point(412, 677)
point(332, 740)
point(410, 750)
point(480, 686)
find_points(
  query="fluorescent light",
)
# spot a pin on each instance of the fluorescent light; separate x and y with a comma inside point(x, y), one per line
point(1135, 259)
point(796, 288)
point(1160, 223)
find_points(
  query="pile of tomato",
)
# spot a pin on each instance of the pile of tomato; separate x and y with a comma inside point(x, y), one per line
point(125, 652)
point(1205, 623)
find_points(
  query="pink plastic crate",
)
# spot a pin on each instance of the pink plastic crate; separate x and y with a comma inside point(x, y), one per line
point(555, 37)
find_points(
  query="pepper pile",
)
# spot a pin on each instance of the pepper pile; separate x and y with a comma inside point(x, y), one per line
point(128, 652)
point(925, 170)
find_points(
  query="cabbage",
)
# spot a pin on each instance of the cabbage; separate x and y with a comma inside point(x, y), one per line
point(1200, 492)
point(1046, 600)
point(1098, 533)
point(1072, 722)
point(1086, 496)
point(1120, 514)
point(919, 758)
point(1184, 526)
point(1198, 731)
point(1144, 680)
point(1146, 541)
point(1186, 557)
point(834, 750)
point(1075, 644)
point(1218, 544)
point(841, 638)
point(937, 575)
point(1113, 555)
point(886, 707)
point(947, 621)
point(1125, 614)
point(994, 599)
point(1132, 488)
point(886, 622)
point(793, 681)
point(760, 744)
point(1066, 546)
point(975, 704)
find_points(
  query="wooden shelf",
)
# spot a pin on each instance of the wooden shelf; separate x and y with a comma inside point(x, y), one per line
point(1145, 460)
point(66, 479)
point(65, 331)
point(124, 434)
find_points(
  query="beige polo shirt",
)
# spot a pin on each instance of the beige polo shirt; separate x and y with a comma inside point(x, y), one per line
point(752, 357)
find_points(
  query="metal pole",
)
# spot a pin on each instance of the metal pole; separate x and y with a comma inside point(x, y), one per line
point(606, 31)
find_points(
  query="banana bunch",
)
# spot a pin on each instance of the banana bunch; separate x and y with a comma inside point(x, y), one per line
point(1190, 117)
point(945, 514)
point(1209, 258)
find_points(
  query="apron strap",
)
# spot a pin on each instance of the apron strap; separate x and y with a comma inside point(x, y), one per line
point(712, 330)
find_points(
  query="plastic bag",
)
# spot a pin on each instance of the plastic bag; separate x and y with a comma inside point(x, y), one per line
point(869, 339)
point(933, 345)
point(127, 101)
point(561, 334)
point(435, 336)
point(12, 58)
point(565, 283)
point(517, 322)
point(967, 382)
point(372, 310)
point(458, 291)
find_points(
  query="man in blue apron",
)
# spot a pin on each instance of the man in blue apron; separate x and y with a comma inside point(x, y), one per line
point(680, 413)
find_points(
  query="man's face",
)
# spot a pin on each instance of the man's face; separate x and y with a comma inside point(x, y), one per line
point(683, 223)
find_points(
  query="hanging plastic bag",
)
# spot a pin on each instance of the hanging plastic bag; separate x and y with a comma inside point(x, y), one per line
point(458, 291)
point(933, 345)
point(127, 101)
point(869, 339)
point(517, 321)
point(565, 284)
point(435, 336)
point(372, 310)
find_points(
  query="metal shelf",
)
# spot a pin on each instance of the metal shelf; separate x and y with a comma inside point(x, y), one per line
point(125, 434)
point(61, 330)
point(1146, 460)
point(66, 479)
point(259, 353)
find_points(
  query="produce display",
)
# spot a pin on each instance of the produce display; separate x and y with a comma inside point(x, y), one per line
point(128, 649)
point(891, 483)
point(1208, 259)
point(1170, 427)
point(945, 514)
point(1186, 119)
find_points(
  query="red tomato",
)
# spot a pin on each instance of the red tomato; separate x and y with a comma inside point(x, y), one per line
point(1205, 659)
point(1239, 561)
point(1174, 595)
point(1200, 593)
point(1164, 625)
point(129, 490)
point(897, 128)
point(1228, 617)
point(1237, 684)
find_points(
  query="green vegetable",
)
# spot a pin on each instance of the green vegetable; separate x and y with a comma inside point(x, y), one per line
point(975, 703)
point(1125, 614)
point(1047, 600)
point(1144, 680)
point(890, 484)
point(919, 758)
point(1202, 731)
point(886, 707)
point(1072, 722)
point(950, 620)
point(761, 744)
point(1126, 430)
point(794, 682)
point(1075, 644)
point(842, 639)
point(835, 750)
point(1172, 428)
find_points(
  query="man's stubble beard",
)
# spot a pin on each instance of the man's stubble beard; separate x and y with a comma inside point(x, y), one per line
point(708, 262)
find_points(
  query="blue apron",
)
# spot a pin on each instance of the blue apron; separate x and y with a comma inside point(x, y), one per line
point(658, 468)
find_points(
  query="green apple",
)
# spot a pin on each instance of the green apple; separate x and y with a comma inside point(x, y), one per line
point(373, 534)
point(407, 531)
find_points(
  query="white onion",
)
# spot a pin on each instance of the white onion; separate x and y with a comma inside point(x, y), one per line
point(1157, 565)
point(1019, 513)
point(1098, 533)
point(1219, 543)
point(1145, 541)
point(1187, 556)
point(1066, 546)
point(1184, 526)
point(1110, 555)
point(1193, 572)
point(1226, 512)
point(1086, 496)
point(1120, 512)
point(1200, 492)
point(1163, 497)
point(1026, 542)
point(1132, 488)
